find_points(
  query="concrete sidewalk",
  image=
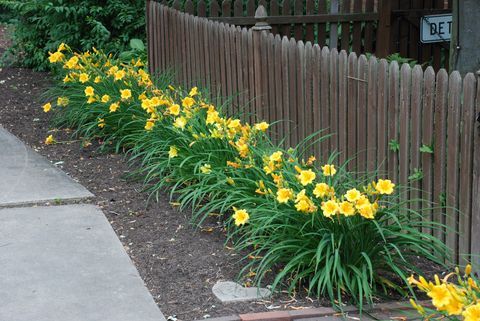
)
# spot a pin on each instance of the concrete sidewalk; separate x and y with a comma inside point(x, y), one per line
point(60, 263)
point(26, 177)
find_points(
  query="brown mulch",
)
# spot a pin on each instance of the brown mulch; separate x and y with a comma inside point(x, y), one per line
point(178, 263)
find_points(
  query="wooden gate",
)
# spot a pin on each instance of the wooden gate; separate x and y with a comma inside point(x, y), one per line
point(400, 23)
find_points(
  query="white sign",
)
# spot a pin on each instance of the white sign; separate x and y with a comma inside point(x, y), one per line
point(436, 28)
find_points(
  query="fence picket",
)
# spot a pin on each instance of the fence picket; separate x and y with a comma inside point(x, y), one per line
point(427, 140)
point(334, 106)
point(382, 112)
point(393, 119)
point(372, 112)
point(270, 108)
point(298, 28)
point(342, 106)
point(475, 242)
point(264, 113)
point(369, 27)
point(405, 129)
point(251, 7)
point(286, 30)
point(201, 8)
point(441, 93)
point(229, 89)
point(196, 41)
point(286, 93)
point(189, 7)
point(415, 135)
point(251, 75)
point(316, 83)
point(214, 9)
point(308, 125)
point(226, 8)
point(345, 26)
point(453, 139)
point(309, 32)
point(466, 165)
point(300, 95)
point(352, 111)
point(362, 115)
point(274, 11)
point(322, 27)
point(279, 89)
point(245, 73)
point(324, 101)
point(238, 8)
point(292, 88)
point(357, 29)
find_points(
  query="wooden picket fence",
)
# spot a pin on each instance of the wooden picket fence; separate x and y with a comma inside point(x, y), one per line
point(379, 114)
point(362, 26)
point(341, 24)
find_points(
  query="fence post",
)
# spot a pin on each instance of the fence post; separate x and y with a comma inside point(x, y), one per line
point(261, 25)
point(384, 31)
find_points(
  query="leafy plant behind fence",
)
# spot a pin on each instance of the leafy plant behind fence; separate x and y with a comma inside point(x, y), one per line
point(40, 26)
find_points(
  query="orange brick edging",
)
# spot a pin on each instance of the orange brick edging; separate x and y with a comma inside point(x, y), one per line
point(267, 316)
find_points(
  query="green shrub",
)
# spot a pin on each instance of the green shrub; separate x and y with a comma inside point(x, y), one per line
point(319, 228)
point(42, 25)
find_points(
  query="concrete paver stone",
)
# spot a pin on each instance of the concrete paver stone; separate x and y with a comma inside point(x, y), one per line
point(228, 291)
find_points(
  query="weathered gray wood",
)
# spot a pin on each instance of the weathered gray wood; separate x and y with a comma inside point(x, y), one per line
point(342, 106)
point(440, 134)
point(325, 103)
point(292, 88)
point(334, 106)
point(308, 119)
point(382, 120)
point(427, 140)
point(466, 168)
point(264, 97)
point(317, 106)
point(362, 115)
point(415, 134)
point(372, 113)
point(453, 140)
point(300, 101)
point(286, 92)
point(352, 86)
point(405, 130)
point(393, 119)
point(475, 242)
point(271, 108)
point(279, 90)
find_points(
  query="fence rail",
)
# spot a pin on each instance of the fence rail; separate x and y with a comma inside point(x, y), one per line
point(416, 126)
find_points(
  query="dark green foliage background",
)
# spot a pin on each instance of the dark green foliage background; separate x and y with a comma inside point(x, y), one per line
point(41, 25)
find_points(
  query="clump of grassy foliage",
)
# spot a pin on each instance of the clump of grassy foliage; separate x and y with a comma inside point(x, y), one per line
point(313, 223)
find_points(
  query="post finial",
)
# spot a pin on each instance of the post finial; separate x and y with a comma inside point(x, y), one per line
point(261, 19)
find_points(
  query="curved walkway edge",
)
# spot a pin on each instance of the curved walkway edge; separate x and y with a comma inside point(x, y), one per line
point(60, 263)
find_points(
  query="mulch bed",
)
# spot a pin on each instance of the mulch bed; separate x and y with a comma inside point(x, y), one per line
point(178, 262)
